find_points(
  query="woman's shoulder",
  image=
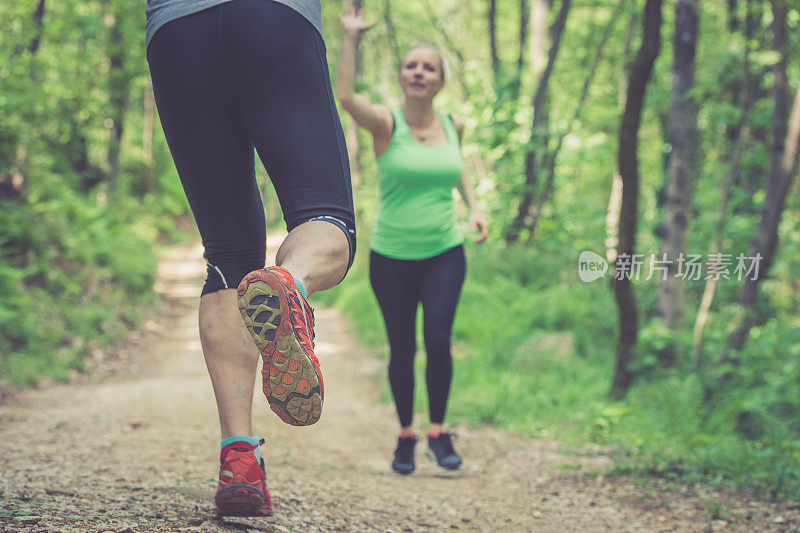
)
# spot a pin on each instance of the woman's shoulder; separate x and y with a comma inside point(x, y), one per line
point(458, 123)
point(457, 120)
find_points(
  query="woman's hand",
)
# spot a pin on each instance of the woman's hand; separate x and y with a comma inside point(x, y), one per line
point(353, 22)
point(478, 223)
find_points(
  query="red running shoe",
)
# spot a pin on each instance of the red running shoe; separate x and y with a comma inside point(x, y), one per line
point(282, 325)
point(242, 489)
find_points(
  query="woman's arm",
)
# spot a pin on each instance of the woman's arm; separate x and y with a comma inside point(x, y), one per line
point(373, 117)
point(467, 191)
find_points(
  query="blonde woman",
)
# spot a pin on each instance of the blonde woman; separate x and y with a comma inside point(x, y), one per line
point(416, 250)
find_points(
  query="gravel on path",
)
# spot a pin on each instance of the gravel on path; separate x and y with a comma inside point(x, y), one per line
point(134, 447)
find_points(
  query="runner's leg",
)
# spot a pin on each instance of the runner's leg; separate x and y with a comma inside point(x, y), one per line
point(214, 158)
point(280, 75)
point(396, 286)
point(315, 252)
point(441, 288)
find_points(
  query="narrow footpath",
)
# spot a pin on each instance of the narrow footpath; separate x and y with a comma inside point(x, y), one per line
point(134, 447)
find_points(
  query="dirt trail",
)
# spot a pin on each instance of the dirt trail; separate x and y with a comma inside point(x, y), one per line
point(134, 447)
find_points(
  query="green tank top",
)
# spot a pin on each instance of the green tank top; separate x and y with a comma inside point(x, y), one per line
point(417, 217)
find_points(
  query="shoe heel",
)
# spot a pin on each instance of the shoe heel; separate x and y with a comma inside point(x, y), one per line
point(239, 502)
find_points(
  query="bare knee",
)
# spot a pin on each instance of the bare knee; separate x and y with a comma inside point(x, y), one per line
point(340, 251)
point(317, 252)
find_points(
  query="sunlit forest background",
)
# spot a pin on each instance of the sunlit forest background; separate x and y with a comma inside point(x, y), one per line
point(627, 128)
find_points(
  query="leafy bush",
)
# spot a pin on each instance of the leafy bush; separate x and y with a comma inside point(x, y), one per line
point(74, 271)
point(534, 349)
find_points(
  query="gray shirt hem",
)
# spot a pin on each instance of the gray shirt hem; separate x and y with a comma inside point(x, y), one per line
point(159, 12)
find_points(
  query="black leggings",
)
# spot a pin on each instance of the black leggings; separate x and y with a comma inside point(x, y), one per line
point(242, 74)
point(400, 285)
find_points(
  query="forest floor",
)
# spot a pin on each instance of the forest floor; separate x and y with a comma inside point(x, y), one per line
point(133, 446)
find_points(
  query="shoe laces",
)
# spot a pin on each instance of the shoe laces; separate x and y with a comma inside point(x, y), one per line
point(405, 445)
point(307, 326)
point(444, 443)
point(308, 315)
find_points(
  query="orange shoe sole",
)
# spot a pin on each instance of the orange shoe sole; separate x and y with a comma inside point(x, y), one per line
point(290, 375)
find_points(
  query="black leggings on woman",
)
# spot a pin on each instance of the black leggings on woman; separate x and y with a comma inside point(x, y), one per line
point(400, 285)
point(243, 74)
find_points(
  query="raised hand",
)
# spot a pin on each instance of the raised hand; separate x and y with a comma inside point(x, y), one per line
point(353, 22)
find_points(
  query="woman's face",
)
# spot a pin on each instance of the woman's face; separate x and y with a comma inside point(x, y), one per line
point(421, 73)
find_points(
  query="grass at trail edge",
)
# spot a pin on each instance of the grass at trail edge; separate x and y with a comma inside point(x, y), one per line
point(534, 350)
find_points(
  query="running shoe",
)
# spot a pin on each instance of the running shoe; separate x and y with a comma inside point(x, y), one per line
point(282, 325)
point(403, 462)
point(441, 448)
point(242, 488)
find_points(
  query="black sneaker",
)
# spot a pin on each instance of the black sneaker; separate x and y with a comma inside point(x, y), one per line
point(442, 448)
point(403, 462)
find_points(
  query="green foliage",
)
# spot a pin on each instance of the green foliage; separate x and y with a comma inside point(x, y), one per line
point(73, 270)
point(717, 510)
point(534, 350)
point(534, 346)
point(14, 513)
point(78, 243)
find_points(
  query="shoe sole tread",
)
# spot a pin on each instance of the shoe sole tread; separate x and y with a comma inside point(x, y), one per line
point(240, 500)
point(287, 366)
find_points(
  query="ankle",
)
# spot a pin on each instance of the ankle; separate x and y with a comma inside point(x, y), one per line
point(252, 441)
point(435, 431)
point(241, 443)
point(300, 287)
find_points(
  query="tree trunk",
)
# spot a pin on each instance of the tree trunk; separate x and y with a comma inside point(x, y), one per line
point(783, 166)
point(540, 12)
point(38, 22)
point(524, 19)
point(148, 119)
point(350, 127)
point(612, 218)
point(682, 168)
point(12, 184)
point(118, 90)
point(615, 197)
point(622, 80)
point(629, 170)
point(507, 79)
point(391, 33)
point(38, 18)
point(492, 15)
point(739, 133)
point(733, 19)
point(547, 190)
point(451, 45)
point(766, 239)
point(716, 247)
point(538, 149)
